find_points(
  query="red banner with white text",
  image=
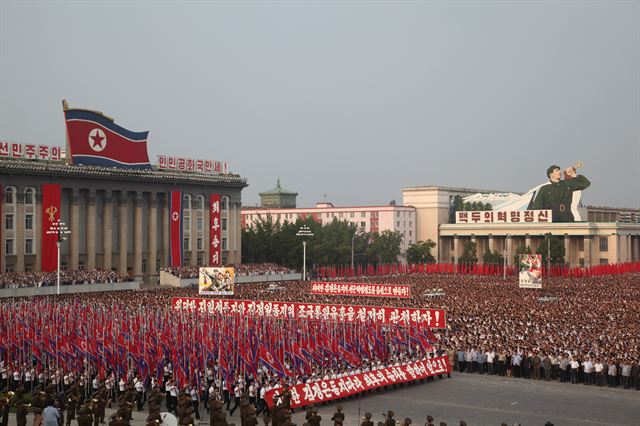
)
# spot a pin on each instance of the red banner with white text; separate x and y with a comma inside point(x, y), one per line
point(432, 318)
point(175, 229)
point(215, 253)
point(327, 390)
point(360, 289)
point(51, 194)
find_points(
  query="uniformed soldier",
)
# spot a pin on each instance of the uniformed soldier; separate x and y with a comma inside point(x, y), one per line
point(557, 194)
point(338, 416)
point(390, 421)
point(366, 420)
point(314, 420)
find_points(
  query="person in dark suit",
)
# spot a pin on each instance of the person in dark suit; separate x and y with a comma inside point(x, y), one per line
point(366, 420)
point(338, 416)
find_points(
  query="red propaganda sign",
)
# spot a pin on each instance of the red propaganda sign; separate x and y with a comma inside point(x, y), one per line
point(432, 318)
point(327, 390)
point(360, 289)
point(215, 252)
point(51, 196)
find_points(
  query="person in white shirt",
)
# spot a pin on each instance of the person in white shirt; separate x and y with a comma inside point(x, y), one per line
point(588, 372)
point(195, 401)
point(237, 393)
point(138, 385)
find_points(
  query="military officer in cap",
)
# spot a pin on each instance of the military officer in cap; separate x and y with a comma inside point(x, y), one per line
point(557, 194)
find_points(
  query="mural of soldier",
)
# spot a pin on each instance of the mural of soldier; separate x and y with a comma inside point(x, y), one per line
point(557, 195)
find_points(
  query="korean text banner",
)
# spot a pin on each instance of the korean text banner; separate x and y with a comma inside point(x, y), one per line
point(530, 275)
point(432, 318)
point(327, 390)
point(216, 281)
point(51, 194)
point(215, 252)
point(360, 289)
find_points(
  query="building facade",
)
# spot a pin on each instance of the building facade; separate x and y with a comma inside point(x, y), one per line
point(118, 218)
point(611, 235)
point(364, 218)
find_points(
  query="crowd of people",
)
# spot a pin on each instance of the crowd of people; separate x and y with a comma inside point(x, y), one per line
point(245, 269)
point(577, 331)
point(45, 279)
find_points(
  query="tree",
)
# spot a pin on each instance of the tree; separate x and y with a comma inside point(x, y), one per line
point(557, 251)
point(494, 258)
point(468, 253)
point(521, 249)
point(420, 252)
point(384, 247)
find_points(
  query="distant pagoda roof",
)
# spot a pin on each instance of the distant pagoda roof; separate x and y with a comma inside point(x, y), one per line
point(278, 190)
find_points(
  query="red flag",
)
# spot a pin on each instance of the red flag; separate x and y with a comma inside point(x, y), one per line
point(175, 228)
point(50, 214)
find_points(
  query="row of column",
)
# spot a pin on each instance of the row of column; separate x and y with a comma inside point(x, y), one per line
point(621, 248)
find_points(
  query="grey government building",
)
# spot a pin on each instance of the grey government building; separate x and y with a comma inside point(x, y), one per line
point(118, 218)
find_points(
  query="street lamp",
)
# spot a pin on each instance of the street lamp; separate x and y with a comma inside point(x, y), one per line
point(504, 257)
point(60, 229)
point(353, 239)
point(304, 232)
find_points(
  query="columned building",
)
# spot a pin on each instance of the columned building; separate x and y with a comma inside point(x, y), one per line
point(118, 218)
point(611, 235)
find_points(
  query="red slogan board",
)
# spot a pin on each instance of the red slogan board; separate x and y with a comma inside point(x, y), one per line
point(360, 289)
point(327, 390)
point(432, 318)
point(215, 252)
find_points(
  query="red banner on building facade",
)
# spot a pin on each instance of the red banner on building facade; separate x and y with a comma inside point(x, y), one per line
point(51, 194)
point(327, 390)
point(215, 252)
point(432, 318)
point(175, 229)
point(360, 289)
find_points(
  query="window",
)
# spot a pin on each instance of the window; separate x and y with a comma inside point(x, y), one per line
point(144, 266)
point(9, 195)
point(28, 268)
point(224, 223)
point(186, 202)
point(410, 232)
point(363, 224)
point(200, 244)
point(28, 246)
point(352, 214)
point(604, 261)
point(581, 262)
point(398, 214)
point(186, 223)
point(8, 222)
point(28, 221)
point(604, 245)
point(200, 223)
point(29, 196)
point(224, 244)
point(8, 246)
point(363, 214)
point(200, 202)
point(398, 224)
point(185, 244)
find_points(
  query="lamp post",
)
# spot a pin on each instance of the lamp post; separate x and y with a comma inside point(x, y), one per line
point(304, 232)
point(504, 257)
point(547, 237)
point(60, 229)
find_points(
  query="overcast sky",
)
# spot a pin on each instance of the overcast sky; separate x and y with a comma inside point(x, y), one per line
point(354, 100)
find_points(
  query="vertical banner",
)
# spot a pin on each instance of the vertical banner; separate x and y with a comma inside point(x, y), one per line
point(1, 200)
point(175, 229)
point(215, 252)
point(530, 275)
point(51, 194)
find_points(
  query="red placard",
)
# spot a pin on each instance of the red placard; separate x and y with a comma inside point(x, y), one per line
point(175, 228)
point(327, 390)
point(215, 242)
point(51, 194)
point(360, 289)
point(432, 318)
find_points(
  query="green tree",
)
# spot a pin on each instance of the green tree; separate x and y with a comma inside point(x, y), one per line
point(557, 251)
point(468, 253)
point(521, 249)
point(384, 247)
point(494, 258)
point(420, 252)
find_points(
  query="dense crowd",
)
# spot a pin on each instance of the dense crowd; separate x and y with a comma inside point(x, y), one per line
point(245, 269)
point(45, 279)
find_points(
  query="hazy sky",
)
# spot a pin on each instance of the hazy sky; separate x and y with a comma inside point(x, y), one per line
point(355, 100)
